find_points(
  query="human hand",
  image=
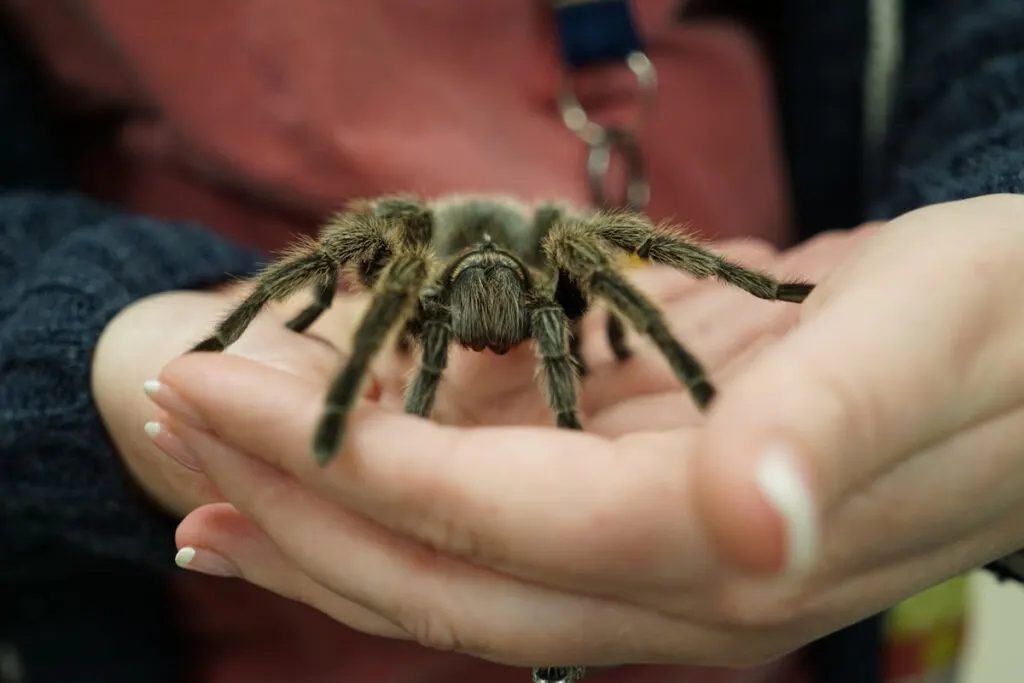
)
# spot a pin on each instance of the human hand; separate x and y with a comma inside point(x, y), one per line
point(267, 559)
point(873, 452)
point(146, 335)
point(140, 340)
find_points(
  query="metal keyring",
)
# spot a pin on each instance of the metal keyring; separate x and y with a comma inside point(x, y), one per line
point(599, 159)
point(601, 143)
point(566, 674)
point(575, 116)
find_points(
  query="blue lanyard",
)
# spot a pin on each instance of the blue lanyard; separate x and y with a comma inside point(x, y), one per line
point(595, 33)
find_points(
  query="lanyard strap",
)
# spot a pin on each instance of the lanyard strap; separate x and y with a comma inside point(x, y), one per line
point(596, 33)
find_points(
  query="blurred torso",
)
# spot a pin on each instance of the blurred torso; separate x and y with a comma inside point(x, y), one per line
point(258, 118)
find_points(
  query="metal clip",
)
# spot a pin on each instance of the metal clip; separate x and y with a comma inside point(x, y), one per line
point(575, 116)
point(603, 141)
point(559, 674)
point(638, 191)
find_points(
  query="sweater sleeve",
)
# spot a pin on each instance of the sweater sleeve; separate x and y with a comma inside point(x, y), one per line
point(957, 129)
point(69, 265)
point(958, 125)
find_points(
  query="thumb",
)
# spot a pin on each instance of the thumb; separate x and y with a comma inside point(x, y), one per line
point(879, 369)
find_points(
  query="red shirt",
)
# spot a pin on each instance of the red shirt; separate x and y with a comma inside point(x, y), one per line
point(258, 117)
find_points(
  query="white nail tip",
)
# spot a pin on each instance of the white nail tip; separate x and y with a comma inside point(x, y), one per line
point(151, 429)
point(151, 386)
point(787, 492)
point(184, 557)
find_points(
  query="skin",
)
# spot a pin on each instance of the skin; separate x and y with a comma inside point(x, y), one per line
point(258, 502)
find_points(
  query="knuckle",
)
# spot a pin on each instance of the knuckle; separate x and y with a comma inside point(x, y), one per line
point(859, 407)
point(303, 592)
point(430, 629)
point(744, 608)
point(259, 502)
point(453, 522)
point(455, 538)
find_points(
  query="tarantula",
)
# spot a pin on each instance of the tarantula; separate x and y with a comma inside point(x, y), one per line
point(486, 272)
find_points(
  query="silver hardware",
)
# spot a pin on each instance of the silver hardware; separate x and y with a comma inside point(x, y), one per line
point(638, 191)
point(604, 142)
point(559, 674)
point(575, 116)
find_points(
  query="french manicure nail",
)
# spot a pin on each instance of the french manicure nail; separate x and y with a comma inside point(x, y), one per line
point(169, 400)
point(786, 490)
point(205, 561)
point(169, 443)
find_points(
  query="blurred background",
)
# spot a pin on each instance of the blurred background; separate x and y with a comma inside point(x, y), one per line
point(994, 643)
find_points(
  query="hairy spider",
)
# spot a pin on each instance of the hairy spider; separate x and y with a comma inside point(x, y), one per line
point(486, 272)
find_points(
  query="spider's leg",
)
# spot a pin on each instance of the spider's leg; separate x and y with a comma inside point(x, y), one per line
point(617, 337)
point(396, 291)
point(404, 342)
point(550, 327)
point(436, 336)
point(305, 264)
point(575, 344)
point(322, 300)
point(635, 234)
point(589, 262)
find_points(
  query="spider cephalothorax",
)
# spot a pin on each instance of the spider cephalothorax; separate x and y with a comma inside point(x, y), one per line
point(486, 272)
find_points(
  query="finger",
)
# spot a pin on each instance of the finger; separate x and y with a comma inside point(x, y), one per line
point(249, 552)
point(319, 351)
point(714, 321)
point(979, 464)
point(828, 602)
point(432, 596)
point(665, 286)
point(924, 543)
point(727, 319)
point(670, 409)
point(815, 259)
point(550, 505)
point(890, 347)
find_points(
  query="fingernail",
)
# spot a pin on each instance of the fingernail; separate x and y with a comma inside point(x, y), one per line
point(169, 400)
point(205, 561)
point(786, 490)
point(169, 443)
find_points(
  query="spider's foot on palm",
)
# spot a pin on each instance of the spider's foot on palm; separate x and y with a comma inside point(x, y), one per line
point(703, 393)
point(568, 421)
point(330, 436)
point(793, 292)
point(208, 344)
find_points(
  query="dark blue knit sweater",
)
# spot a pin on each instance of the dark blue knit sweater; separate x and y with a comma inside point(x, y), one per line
point(82, 554)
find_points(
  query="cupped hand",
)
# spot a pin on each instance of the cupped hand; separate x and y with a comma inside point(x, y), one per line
point(724, 326)
point(250, 427)
point(145, 336)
